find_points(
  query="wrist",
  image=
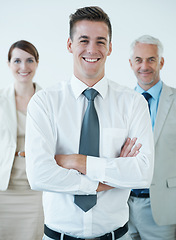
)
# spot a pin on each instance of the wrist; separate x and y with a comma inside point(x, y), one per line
point(81, 163)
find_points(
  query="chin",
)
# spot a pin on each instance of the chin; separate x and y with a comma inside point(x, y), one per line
point(145, 82)
point(24, 80)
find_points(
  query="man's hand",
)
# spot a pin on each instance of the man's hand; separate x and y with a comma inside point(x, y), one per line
point(103, 187)
point(128, 150)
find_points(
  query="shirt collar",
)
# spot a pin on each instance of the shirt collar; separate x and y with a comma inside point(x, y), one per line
point(154, 91)
point(78, 86)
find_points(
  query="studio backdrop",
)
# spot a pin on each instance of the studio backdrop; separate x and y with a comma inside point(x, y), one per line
point(45, 23)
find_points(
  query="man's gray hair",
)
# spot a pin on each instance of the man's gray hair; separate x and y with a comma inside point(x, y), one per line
point(148, 40)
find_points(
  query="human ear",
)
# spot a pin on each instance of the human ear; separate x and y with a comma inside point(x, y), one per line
point(110, 49)
point(131, 65)
point(69, 45)
point(161, 63)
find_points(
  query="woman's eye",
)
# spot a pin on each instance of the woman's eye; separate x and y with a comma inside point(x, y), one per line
point(30, 60)
point(17, 61)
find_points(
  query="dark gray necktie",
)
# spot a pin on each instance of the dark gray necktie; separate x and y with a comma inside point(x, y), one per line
point(89, 144)
point(147, 97)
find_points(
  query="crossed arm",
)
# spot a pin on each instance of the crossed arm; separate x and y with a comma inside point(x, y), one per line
point(78, 161)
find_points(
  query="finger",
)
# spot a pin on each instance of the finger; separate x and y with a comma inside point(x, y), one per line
point(124, 147)
point(129, 147)
point(136, 153)
point(135, 150)
point(126, 143)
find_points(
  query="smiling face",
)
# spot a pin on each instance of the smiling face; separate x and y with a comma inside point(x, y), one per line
point(146, 65)
point(90, 47)
point(23, 65)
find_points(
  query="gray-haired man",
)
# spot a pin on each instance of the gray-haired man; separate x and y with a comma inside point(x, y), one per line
point(153, 211)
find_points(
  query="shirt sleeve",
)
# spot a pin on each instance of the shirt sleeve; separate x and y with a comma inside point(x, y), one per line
point(42, 170)
point(129, 172)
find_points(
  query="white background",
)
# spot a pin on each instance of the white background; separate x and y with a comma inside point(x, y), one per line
point(45, 24)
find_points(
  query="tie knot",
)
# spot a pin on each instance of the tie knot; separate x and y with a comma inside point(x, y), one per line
point(90, 94)
point(146, 95)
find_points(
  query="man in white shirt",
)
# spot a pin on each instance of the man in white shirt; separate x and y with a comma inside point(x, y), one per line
point(53, 131)
point(153, 211)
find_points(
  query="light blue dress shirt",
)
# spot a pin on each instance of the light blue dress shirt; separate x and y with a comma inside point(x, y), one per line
point(155, 92)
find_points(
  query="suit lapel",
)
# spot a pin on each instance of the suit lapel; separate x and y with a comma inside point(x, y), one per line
point(165, 103)
point(9, 106)
point(10, 111)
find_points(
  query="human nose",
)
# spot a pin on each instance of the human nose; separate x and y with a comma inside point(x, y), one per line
point(144, 64)
point(91, 49)
point(23, 65)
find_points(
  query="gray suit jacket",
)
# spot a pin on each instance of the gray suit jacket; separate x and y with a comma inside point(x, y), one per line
point(163, 187)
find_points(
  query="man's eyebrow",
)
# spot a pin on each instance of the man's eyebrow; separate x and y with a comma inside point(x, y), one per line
point(152, 57)
point(98, 38)
point(102, 38)
point(83, 36)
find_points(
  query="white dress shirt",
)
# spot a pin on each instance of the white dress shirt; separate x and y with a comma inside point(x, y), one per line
point(53, 127)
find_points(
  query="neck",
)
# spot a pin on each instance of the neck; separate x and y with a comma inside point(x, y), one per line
point(89, 81)
point(146, 87)
point(24, 89)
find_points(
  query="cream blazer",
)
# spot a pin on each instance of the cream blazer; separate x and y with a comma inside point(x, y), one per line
point(163, 187)
point(8, 133)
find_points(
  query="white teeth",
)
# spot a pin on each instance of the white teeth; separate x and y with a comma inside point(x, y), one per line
point(23, 74)
point(91, 59)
